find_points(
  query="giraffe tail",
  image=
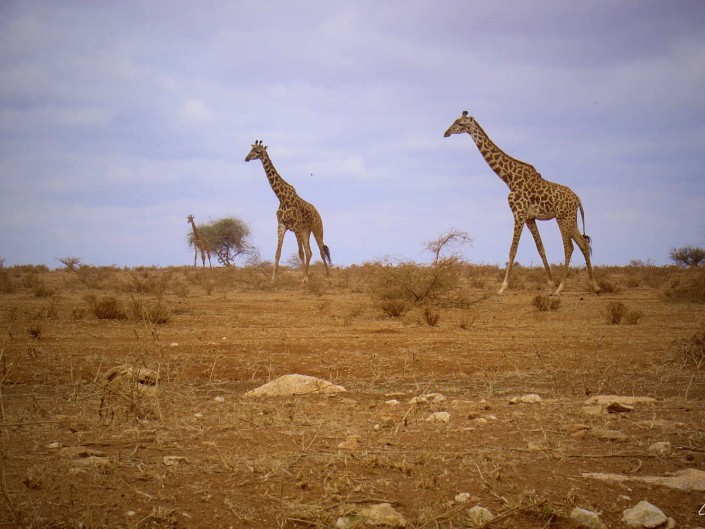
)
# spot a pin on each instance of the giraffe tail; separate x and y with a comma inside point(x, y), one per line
point(585, 235)
point(327, 252)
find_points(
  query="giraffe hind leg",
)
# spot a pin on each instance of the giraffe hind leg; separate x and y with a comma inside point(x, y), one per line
point(584, 243)
point(567, 233)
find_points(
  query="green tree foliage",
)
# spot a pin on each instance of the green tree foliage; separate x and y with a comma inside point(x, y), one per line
point(688, 256)
point(228, 238)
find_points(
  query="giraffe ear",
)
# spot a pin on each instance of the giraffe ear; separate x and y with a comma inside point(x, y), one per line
point(465, 113)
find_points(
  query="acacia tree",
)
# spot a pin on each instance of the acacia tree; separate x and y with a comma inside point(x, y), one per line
point(228, 238)
point(688, 256)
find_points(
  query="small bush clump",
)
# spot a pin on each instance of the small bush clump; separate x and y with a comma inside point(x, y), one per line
point(149, 311)
point(395, 307)
point(431, 317)
point(608, 287)
point(690, 288)
point(108, 308)
point(691, 350)
point(617, 312)
point(546, 303)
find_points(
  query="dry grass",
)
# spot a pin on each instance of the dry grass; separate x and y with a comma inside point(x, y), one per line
point(190, 451)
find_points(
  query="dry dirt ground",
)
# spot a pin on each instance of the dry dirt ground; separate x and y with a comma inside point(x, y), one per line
point(80, 451)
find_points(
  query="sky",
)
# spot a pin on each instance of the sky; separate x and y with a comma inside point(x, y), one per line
point(119, 119)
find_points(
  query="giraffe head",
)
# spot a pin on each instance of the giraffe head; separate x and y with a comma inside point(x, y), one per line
point(189, 218)
point(463, 124)
point(257, 152)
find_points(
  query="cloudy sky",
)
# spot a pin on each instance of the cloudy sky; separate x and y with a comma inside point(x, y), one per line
point(118, 119)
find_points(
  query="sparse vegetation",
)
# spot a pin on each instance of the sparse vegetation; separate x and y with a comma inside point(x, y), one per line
point(194, 432)
point(546, 303)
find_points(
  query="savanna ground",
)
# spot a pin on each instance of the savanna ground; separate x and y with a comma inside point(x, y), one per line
point(193, 452)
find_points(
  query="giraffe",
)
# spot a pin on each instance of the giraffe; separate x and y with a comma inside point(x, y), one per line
point(199, 244)
point(294, 214)
point(531, 198)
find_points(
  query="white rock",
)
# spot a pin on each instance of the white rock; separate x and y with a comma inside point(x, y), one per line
point(662, 448)
point(462, 497)
point(392, 402)
point(219, 399)
point(531, 398)
point(54, 445)
point(173, 344)
point(606, 400)
point(288, 385)
point(439, 416)
point(382, 514)
point(428, 397)
point(643, 514)
point(586, 518)
point(171, 461)
point(480, 515)
point(198, 416)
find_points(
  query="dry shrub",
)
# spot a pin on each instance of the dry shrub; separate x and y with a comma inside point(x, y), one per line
point(632, 317)
point(608, 287)
point(546, 303)
point(149, 311)
point(438, 282)
point(615, 311)
point(395, 307)
point(431, 317)
point(7, 285)
point(108, 308)
point(691, 350)
point(688, 287)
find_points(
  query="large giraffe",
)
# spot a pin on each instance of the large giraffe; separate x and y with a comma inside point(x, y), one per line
point(531, 198)
point(294, 214)
point(200, 244)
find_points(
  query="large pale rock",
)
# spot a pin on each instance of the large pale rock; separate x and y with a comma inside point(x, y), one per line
point(531, 398)
point(690, 479)
point(288, 385)
point(585, 518)
point(480, 515)
point(643, 514)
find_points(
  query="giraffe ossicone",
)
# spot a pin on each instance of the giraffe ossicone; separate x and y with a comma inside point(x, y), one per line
point(531, 198)
point(294, 214)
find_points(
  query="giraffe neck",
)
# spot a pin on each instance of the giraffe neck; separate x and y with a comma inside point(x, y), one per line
point(507, 168)
point(196, 232)
point(283, 189)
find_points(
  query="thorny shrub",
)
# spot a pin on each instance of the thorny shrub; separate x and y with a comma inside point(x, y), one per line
point(546, 303)
point(691, 350)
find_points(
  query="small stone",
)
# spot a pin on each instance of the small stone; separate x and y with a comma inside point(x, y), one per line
point(429, 397)
point(480, 515)
point(609, 435)
point(382, 514)
point(661, 449)
point(198, 416)
point(439, 416)
point(219, 399)
point(462, 497)
point(173, 344)
point(586, 518)
point(54, 445)
point(392, 402)
point(644, 514)
point(618, 407)
point(531, 398)
point(170, 461)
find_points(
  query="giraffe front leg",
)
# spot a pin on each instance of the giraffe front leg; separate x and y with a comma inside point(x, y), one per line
point(304, 254)
point(281, 230)
point(531, 223)
point(518, 227)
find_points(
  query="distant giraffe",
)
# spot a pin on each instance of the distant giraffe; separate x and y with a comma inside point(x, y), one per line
point(294, 214)
point(199, 244)
point(531, 198)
